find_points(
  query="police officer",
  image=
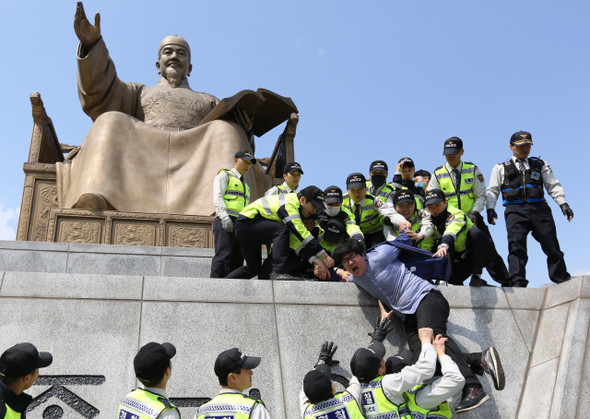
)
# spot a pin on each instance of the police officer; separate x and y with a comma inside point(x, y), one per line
point(334, 210)
point(234, 371)
point(292, 176)
point(230, 195)
point(420, 221)
point(465, 189)
point(385, 393)
point(521, 180)
point(377, 184)
point(468, 248)
point(318, 397)
point(368, 211)
point(270, 219)
point(404, 179)
point(421, 180)
point(153, 370)
point(19, 369)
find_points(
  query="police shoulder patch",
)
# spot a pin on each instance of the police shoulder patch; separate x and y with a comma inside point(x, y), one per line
point(378, 203)
point(480, 177)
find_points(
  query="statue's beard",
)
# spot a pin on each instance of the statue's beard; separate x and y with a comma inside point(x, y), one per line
point(174, 77)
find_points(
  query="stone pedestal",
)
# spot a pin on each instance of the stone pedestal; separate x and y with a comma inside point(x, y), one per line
point(93, 306)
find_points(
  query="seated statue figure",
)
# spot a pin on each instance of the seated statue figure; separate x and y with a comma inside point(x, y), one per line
point(145, 152)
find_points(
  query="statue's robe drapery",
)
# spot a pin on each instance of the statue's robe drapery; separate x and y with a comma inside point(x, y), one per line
point(144, 152)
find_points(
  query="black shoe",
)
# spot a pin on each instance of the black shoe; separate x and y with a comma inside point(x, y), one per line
point(491, 364)
point(520, 283)
point(476, 281)
point(472, 397)
point(282, 276)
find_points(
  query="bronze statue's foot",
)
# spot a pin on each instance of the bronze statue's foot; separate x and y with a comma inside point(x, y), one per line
point(91, 201)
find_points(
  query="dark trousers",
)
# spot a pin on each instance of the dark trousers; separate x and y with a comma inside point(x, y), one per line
point(228, 255)
point(372, 239)
point(496, 268)
point(478, 255)
point(433, 312)
point(251, 234)
point(537, 219)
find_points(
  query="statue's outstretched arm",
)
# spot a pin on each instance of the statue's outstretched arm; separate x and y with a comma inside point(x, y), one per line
point(87, 33)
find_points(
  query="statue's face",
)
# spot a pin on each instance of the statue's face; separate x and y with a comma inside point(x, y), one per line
point(174, 58)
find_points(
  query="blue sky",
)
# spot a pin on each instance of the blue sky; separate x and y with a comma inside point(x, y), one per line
point(372, 80)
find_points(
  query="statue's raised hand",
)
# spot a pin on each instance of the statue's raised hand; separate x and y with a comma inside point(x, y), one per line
point(87, 33)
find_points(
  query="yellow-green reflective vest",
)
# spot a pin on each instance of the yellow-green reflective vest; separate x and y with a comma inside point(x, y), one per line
point(417, 197)
point(377, 405)
point(443, 411)
point(414, 220)
point(284, 209)
point(228, 405)
point(342, 405)
point(457, 225)
point(465, 198)
point(371, 218)
point(383, 194)
point(10, 413)
point(235, 197)
point(142, 404)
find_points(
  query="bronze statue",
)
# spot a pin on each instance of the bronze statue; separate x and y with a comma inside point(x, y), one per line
point(145, 152)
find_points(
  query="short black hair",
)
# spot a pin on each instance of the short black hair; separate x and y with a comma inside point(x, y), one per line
point(223, 380)
point(347, 246)
point(422, 173)
point(9, 380)
point(152, 382)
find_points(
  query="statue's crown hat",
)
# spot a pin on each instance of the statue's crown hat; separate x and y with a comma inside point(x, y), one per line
point(174, 40)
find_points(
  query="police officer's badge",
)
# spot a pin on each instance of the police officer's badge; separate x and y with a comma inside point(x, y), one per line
point(480, 177)
point(535, 175)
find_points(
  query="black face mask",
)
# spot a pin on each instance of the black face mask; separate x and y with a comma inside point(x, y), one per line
point(378, 180)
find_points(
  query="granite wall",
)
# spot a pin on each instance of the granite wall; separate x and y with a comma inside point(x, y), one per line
point(93, 306)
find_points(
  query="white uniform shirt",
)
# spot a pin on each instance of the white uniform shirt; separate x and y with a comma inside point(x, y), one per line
point(443, 388)
point(553, 186)
point(219, 187)
point(478, 187)
point(394, 385)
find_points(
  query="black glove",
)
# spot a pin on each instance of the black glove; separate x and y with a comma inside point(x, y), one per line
point(492, 215)
point(567, 211)
point(326, 354)
point(387, 221)
point(382, 328)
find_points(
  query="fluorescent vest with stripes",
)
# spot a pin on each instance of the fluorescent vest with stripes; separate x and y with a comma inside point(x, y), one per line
point(520, 187)
point(371, 218)
point(235, 197)
point(342, 406)
point(377, 405)
point(228, 405)
point(383, 194)
point(457, 225)
point(283, 209)
point(142, 404)
point(443, 411)
point(464, 198)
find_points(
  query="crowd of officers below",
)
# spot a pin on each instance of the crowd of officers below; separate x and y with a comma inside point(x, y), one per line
point(439, 211)
point(396, 386)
